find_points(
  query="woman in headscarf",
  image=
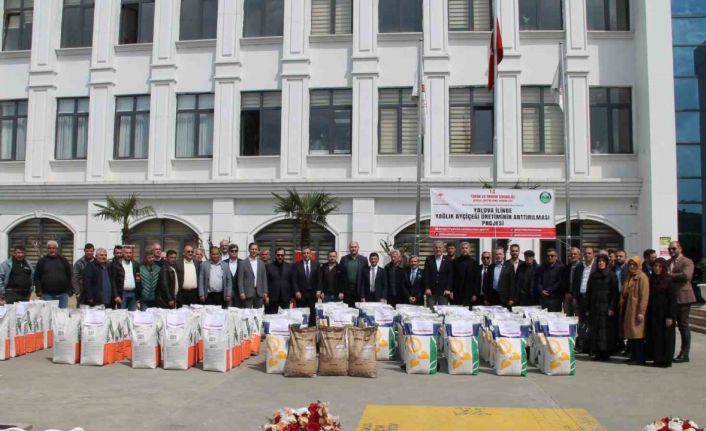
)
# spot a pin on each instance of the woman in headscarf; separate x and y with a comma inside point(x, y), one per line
point(633, 302)
point(602, 297)
point(661, 311)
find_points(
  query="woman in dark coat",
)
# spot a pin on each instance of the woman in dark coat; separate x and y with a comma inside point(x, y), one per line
point(661, 312)
point(603, 298)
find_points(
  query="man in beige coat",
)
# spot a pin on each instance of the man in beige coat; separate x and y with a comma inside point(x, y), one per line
point(681, 270)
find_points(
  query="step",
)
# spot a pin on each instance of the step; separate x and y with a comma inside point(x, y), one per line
point(699, 329)
point(699, 311)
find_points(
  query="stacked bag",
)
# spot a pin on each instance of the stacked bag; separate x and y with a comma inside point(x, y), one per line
point(25, 327)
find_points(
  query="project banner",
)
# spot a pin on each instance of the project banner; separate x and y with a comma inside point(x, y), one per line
point(492, 213)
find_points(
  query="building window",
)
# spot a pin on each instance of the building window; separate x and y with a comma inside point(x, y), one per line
point(77, 23)
point(198, 20)
point(612, 15)
point(194, 133)
point(17, 22)
point(400, 16)
point(132, 127)
point(72, 128)
point(264, 18)
point(611, 120)
point(541, 15)
point(331, 16)
point(136, 21)
point(330, 121)
point(398, 130)
point(470, 15)
point(260, 123)
point(471, 120)
point(13, 129)
point(542, 122)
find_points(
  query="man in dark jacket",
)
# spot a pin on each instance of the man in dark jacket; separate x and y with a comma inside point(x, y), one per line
point(500, 281)
point(549, 282)
point(398, 283)
point(16, 277)
point(332, 280)
point(234, 266)
point(438, 277)
point(352, 265)
point(97, 282)
point(372, 284)
point(483, 280)
point(279, 283)
point(89, 252)
point(126, 280)
point(524, 278)
point(465, 279)
point(52, 278)
point(169, 288)
point(306, 279)
point(415, 275)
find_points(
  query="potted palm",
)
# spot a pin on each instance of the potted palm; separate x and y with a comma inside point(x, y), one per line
point(122, 211)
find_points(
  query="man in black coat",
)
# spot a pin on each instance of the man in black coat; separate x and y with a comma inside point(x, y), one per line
point(481, 277)
point(372, 283)
point(306, 279)
point(97, 282)
point(279, 283)
point(233, 268)
point(415, 275)
point(398, 283)
point(524, 278)
point(332, 282)
point(465, 280)
point(52, 276)
point(549, 282)
point(169, 288)
point(438, 277)
point(500, 281)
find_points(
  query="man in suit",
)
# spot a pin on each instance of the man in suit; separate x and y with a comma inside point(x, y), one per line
point(372, 284)
point(524, 280)
point(500, 281)
point(415, 275)
point(451, 250)
point(438, 277)
point(306, 280)
point(569, 278)
point(280, 282)
point(352, 265)
point(579, 288)
point(681, 271)
point(620, 268)
point(464, 277)
point(549, 282)
point(215, 286)
point(398, 284)
point(234, 265)
point(187, 270)
point(485, 261)
point(515, 257)
point(252, 279)
point(97, 283)
point(223, 248)
point(169, 288)
point(125, 273)
point(332, 280)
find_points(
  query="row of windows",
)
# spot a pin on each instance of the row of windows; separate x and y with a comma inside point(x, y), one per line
point(471, 123)
point(198, 18)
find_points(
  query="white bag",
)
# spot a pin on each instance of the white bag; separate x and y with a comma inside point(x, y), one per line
point(557, 357)
point(145, 339)
point(5, 340)
point(178, 340)
point(217, 332)
point(66, 328)
point(47, 307)
point(95, 326)
point(277, 342)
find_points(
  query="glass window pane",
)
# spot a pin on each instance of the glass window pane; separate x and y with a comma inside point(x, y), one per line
point(686, 93)
point(388, 131)
point(87, 38)
point(66, 106)
point(210, 19)
point(530, 130)
point(13, 4)
point(388, 16)
point(271, 131)
point(71, 27)
point(6, 139)
point(411, 16)
point(271, 99)
point(460, 128)
point(621, 131)
point(22, 107)
point(342, 131)
point(620, 20)
point(188, 25)
point(64, 137)
point(619, 95)
point(82, 105)
point(124, 104)
point(482, 142)
point(595, 14)
point(690, 61)
point(274, 17)
point(253, 19)
point(459, 15)
point(205, 101)
point(186, 101)
point(460, 96)
point(185, 134)
point(528, 14)
point(342, 97)
point(21, 140)
point(142, 132)
point(600, 143)
point(205, 134)
point(123, 141)
point(344, 17)
point(319, 125)
point(598, 96)
point(11, 42)
point(550, 15)
point(321, 17)
point(82, 137)
point(688, 127)
point(688, 31)
point(129, 18)
point(689, 162)
point(410, 130)
point(7, 109)
point(688, 7)
point(250, 133)
point(250, 100)
point(553, 130)
point(690, 190)
point(530, 95)
point(389, 97)
point(72, 3)
point(320, 98)
point(146, 22)
point(143, 103)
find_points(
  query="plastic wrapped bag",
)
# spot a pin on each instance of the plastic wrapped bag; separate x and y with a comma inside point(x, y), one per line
point(145, 347)
point(66, 327)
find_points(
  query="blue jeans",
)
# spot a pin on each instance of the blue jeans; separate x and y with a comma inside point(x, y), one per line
point(129, 300)
point(63, 298)
point(144, 305)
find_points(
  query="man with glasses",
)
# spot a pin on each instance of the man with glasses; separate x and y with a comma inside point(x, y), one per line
point(306, 282)
point(549, 282)
point(223, 247)
point(570, 278)
point(500, 281)
point(681, 270)
point(415, 274)
point(234, 265)
point(187, 270)
point(280, 282)
point(52, 277)
point(482, 279)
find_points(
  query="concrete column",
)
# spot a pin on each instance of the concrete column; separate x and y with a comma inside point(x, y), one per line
point(223, 221)
point(226, 121)
point(163, 89)
point(42, 89)
point(364, 145)
point(363, 225)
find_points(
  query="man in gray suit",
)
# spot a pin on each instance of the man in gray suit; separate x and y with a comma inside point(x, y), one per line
point(215, 281)
point(252, 280)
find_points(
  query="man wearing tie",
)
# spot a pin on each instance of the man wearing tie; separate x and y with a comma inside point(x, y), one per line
point(306, 280)
point(372, 285)
point(415, 274)
point(482, 271)
point(438, 274)
point(234, 264)
point(252, 280)
point(500, 281)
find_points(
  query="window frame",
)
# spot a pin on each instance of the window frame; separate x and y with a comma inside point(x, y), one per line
point(332, 19)
point(7, 12)
point(610, 107)
point(83, 6)
point(263, 19)
point(471, 15)
point(541, 105)
point(199, 22)
point(260, 109)
point(400, 7)
point(473, 106)
point(399, 109)
point(539, 16)
point(606, 16)
point(75, 115)
point(132, 114)
point(330, 111)
point(15, 120)
point(140, 16)
point(197, 124)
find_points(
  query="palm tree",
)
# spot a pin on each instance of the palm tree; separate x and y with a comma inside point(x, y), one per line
point(306, 210)
point(122, 211)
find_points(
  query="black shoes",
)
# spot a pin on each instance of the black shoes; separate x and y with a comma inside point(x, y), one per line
point(681, 359)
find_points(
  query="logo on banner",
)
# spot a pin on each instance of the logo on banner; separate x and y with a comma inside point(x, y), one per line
point(545, 197)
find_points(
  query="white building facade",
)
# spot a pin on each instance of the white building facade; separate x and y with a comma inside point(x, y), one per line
point(205, 107)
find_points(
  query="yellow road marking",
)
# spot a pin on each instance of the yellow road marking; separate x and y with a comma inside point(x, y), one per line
point(427, 418)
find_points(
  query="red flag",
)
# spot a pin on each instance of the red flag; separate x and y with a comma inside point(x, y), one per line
point(494, 43)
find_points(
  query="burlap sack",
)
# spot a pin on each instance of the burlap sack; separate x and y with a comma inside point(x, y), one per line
point(361, 352)
point(333, 354)
point(301, 360)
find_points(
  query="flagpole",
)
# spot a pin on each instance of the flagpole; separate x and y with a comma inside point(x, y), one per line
point(420, 142)
point(567, 159)
point(495, 86)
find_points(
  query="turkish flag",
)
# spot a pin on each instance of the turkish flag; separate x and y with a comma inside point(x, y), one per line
point(491, 60)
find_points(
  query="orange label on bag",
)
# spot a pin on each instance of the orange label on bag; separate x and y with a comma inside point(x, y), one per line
point(256, 345)
point(50, 339)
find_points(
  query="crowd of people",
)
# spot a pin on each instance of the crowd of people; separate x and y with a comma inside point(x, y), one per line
point(623, 304)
